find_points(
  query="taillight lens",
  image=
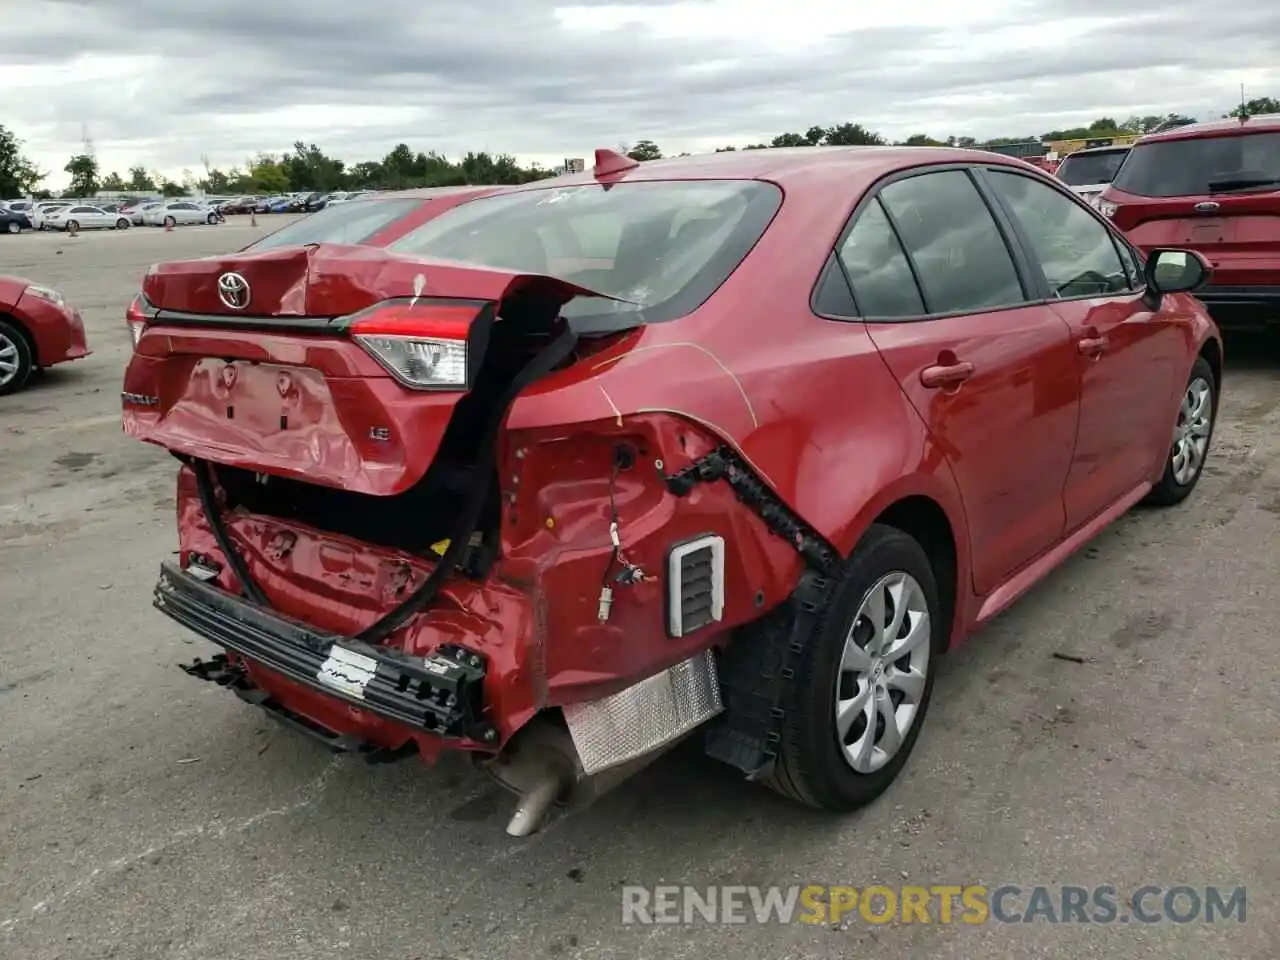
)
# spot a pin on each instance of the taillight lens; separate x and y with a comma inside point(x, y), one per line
point(138, 316)
point(423, 345)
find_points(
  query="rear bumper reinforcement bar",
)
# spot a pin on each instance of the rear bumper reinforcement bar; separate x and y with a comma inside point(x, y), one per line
point(440, 694)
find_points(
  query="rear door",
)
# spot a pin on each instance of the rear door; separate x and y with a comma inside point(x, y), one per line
point(1130, 359)
point(992, 374)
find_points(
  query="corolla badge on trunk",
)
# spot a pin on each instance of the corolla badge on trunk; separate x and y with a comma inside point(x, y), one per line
point(233, 290)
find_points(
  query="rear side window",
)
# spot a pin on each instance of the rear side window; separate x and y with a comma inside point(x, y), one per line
point(351, 223)
point(878, 270)
point(1194, 168)
point(959, 253)
point(1075, 250)
point(661, 248)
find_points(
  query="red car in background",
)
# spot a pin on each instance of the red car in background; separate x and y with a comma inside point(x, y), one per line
point(1215, 188)
point(735, 444)
point(37, 329)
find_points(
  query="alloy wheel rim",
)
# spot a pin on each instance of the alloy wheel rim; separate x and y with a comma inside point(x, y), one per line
point(1191, 433)
point(880, 684)
point(9, 359)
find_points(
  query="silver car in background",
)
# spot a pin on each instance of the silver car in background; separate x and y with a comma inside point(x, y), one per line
point(1088, 172)
point(80, 216)
point(176, 212)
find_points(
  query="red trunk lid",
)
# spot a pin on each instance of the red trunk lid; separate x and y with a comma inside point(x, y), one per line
point(269, 371)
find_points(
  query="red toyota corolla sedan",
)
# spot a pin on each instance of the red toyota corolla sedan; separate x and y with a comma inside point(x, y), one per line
point(37, 330)
point(733, 445)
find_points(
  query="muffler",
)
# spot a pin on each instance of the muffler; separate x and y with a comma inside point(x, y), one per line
point(571, 758)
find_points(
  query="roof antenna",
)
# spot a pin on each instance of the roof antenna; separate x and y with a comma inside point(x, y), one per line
point(609, 162)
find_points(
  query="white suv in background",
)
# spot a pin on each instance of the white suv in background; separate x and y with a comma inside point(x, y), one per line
point(1089, 171)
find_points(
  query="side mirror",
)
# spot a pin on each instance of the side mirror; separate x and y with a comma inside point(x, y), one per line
point(1175, 271)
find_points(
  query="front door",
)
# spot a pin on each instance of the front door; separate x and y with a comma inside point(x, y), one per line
point(992, 375)
point(1127, 355)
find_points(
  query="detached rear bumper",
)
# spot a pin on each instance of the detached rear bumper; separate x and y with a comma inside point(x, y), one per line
point(441, 695)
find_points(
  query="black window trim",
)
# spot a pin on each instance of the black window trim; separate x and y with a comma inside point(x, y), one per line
point(1031, 281)
point(1136, 285)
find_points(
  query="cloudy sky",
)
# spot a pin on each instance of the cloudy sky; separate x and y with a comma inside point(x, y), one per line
point(164, 83)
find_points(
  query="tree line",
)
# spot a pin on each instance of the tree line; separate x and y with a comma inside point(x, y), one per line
point(308, 168)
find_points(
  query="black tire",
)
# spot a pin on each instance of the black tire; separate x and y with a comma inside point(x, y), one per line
point(170, 222)
point(13, 226)
point(213, 218)
point(122, 223)
point(812, 767)
point(1170, 490)
point(73, 226)
point(13, 339)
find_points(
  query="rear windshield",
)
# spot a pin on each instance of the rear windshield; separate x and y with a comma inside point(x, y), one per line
point(345, 223)
point(664, 247)
point(1194, 168)
point(1082, 169)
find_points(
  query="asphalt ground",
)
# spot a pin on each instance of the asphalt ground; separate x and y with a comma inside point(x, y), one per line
point(144, 814)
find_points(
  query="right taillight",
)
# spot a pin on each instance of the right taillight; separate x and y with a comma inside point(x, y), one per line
point(138, 317)
point(423, 345)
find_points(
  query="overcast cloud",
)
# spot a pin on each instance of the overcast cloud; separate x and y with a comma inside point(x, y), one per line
point(164, 82)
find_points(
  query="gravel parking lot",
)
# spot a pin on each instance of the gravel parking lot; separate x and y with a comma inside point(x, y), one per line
point(144, 814)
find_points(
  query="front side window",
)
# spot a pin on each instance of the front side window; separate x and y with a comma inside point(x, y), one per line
point(878, 270)
point(1076, 252)
point(960, 255)
point(660, 247)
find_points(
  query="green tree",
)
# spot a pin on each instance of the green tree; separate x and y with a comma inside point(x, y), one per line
point(645, 150)
point(140, 180)
point(791, 140)
point(170, 189)
point(922, 140)
point(113, 183)
point(18, 175)
point(1256, 107)
point(83, 168)
point(268, 175)
point(852, 135)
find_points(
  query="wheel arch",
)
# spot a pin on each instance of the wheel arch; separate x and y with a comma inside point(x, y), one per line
point(929, 510)
point(1212, 353)
point(11, 317)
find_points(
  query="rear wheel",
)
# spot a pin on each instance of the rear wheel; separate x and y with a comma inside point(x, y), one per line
point(1192, 434)
point(170, 222)
point(213, 218)
point(13, 226)
point(73, 226)
point(863, 687)
point(16, 361)
point(122, 223)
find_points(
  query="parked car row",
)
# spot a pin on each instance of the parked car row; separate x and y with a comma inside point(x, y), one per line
point(289, 202)
point(73, 216)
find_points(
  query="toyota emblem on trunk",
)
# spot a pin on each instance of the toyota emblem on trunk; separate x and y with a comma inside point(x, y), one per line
point(233, 290)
